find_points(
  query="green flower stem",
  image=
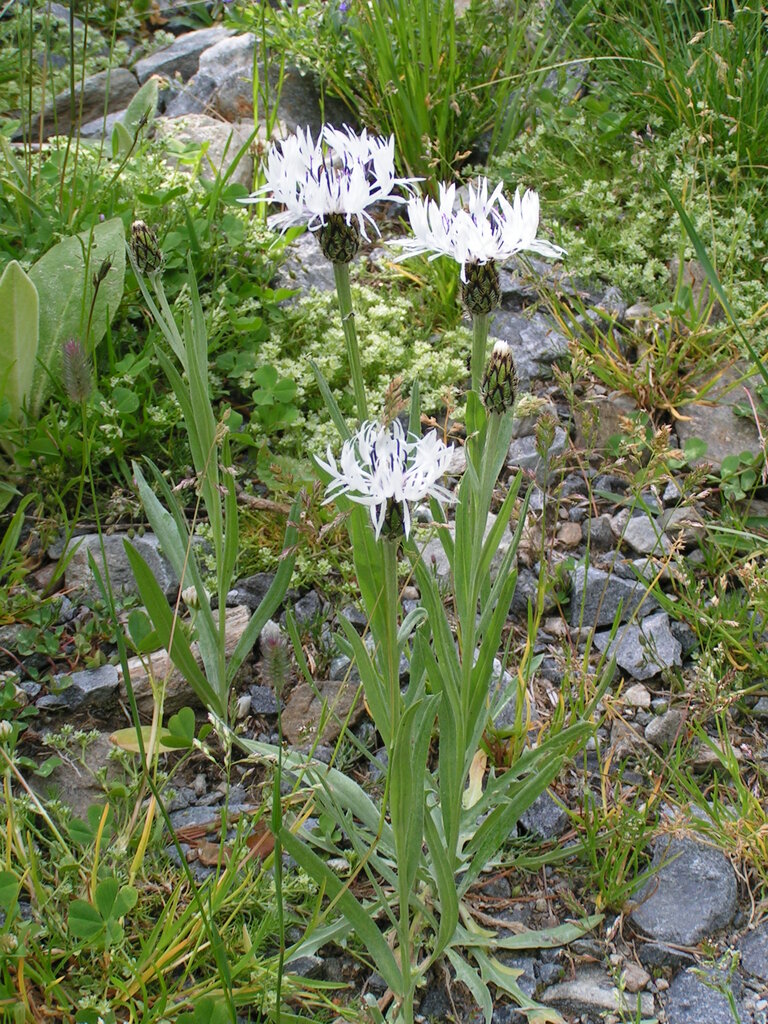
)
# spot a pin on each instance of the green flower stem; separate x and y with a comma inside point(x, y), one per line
point(391, 656)
point(344, 293)
point(479, 344)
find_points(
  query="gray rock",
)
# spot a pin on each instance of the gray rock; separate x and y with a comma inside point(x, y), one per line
point(534, 340)
point(79, 576)
point(753, 948)
point(642, 650)
point(656, 954)
point(60, 12)
point(308, 609)
point(691, 896)
point(688, 640)
point(545, 818)
point(101, 127)
point(306, 267)
point(713, 420)
point(664, 730)
point(182, 57)
point(88, 690)
point(354, 614)
point(523, 455)
point(690, 1000)
point(643, 535)
point(111, 89)
point(263, 700)
point(251, 590)
point(685, 523)
point(75, 784)
point(526, 593)
point(305, 712)
point(598, 533)
point(223, 141)
point(305, 966)
point(596, 596)
point(527, 965)
point(592, 991)
point(223, 85)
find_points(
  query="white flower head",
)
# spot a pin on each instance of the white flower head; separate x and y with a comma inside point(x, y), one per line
point(482, 230)
point(380, 466)
point(342, 173)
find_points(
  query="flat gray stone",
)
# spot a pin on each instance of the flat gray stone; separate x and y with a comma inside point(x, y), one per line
point(690, 1000)
point(592, 991)
point(115, 88)
point(534, 340)
point(644, 535)
point(714, 421)
point(182, 57)
point(643, 650)
point(78, 574)
point(753, 948)
point(88, 690)
point(691, 896)
point(596, 596)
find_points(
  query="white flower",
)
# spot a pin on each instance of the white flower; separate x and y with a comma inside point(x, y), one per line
point(342, 173)
point(379, 466)
point(485, 229)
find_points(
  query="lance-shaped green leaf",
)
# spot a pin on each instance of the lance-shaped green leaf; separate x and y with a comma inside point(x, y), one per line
point(18, 336)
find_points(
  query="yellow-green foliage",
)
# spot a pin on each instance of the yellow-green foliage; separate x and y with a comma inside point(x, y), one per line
point(392, 344)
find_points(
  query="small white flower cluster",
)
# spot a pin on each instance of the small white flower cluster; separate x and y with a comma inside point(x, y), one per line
point(341, 173)
point(379, 465)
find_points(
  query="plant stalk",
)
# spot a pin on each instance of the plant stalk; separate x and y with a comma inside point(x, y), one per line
point(344, 294)
point(479, 343)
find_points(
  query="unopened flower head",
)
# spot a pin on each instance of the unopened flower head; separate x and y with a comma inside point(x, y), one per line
point(145, 248)
point(385, 470)
point(481, 230)
point(500, 382)
point(334, 180)
point(76, 371)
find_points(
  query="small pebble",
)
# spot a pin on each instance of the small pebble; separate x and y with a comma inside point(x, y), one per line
point(635, 978)
point(637, 696)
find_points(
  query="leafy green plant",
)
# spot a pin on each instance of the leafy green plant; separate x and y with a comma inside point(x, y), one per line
point(437, 106)
point(212, 459)
point(739, 475)
point(273, 398)
point(684, 64)
point(98, 923)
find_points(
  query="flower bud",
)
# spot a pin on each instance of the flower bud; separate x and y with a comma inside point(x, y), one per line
point(275, 660)
point(145, 248)
point(500, 381)
point(339, 240)
point(481, 292)
point(76, 371)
